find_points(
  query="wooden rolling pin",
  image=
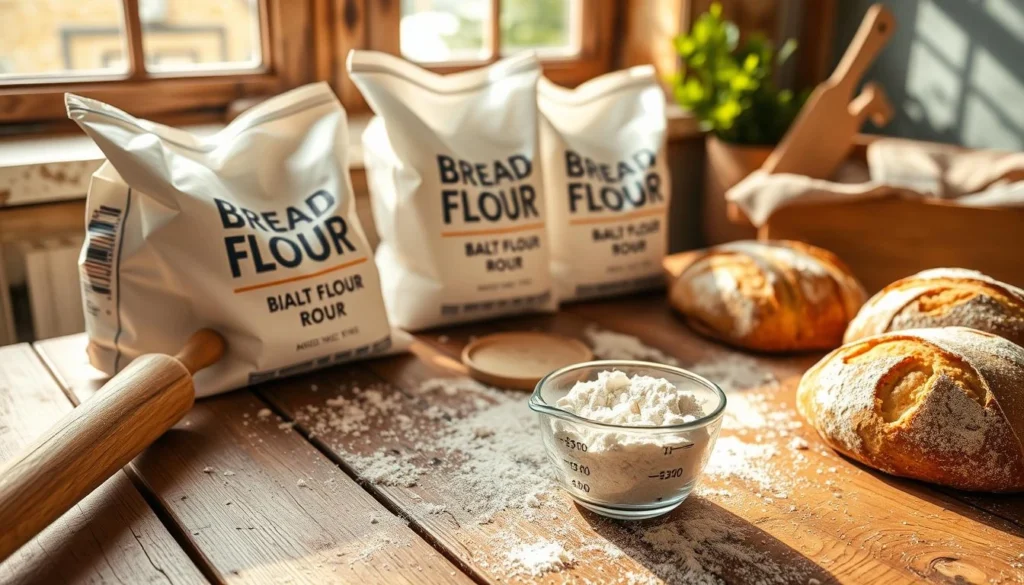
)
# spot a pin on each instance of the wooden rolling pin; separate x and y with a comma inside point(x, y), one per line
point(98, 438)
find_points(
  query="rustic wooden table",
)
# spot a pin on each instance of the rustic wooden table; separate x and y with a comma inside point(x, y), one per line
point(365, 474)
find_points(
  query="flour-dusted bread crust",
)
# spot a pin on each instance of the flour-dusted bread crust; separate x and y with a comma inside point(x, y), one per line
point(768, 296)
point(943, 297)
point(941, 405)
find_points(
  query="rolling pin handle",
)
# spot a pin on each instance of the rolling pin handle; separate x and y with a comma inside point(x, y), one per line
point(202, 350)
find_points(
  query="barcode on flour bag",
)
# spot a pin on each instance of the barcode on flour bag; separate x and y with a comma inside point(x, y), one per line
point(456, 189)
point(606, 183)
point(251, 232)
point(100, 246)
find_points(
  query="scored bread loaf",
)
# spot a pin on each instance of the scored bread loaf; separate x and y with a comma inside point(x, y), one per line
point(942, 405)
point(768, 296)
point(943, 297)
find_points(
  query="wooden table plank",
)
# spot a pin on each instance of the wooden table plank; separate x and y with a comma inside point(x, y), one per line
point(259, 502)
point(112, 536)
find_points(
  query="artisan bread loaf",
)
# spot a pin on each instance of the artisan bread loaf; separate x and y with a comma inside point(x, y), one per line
point(941, 405)
point(943, 297)
point(768, 296)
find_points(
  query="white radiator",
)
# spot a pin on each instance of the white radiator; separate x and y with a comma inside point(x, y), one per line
point(54, 293)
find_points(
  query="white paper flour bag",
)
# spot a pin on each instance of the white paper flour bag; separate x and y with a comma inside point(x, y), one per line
point(606, 183)
point(456, 188)
point(251, 232)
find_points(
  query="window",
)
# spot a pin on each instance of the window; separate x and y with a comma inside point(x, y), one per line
point(154, 57)
point(184, 61)
point(571, 37)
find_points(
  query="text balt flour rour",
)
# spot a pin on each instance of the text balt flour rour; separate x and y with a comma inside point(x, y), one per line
point(606, 182)
point(251, 232)
point(452, 167)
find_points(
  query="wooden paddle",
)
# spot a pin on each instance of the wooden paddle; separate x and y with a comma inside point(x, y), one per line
point(822, 134)
point(99, 437)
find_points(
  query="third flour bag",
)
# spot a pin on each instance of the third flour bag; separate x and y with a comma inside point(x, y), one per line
point(456, 186)
point(606, 183)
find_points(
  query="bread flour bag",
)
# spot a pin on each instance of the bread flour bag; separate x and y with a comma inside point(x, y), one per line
point(456, 189)
point(251, 231)
point(606, 183)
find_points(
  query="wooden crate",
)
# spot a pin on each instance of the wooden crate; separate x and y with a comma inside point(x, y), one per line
point(883, 240)
point(887, 238)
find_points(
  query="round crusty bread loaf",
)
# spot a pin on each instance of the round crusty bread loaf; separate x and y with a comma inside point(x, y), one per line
point(943, 297)
point(941, 405)
point(768, 296)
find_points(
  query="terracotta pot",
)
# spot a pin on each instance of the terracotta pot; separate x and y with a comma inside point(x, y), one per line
point(725, 165)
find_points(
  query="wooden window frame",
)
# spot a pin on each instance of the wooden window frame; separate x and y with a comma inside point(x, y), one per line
point(302, 41)
point(286, 46)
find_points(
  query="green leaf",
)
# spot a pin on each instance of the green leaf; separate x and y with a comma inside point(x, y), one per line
point(725, 114)
point(693, 91)
point(786, 51)
point(743, 82)
point(715, 10)
point(751, 63)
point(732, 36)
point(685, 46)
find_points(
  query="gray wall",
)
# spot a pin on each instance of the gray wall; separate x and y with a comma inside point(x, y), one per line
point(954, 70)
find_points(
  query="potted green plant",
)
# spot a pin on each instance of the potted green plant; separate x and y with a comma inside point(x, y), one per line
point(732, 91)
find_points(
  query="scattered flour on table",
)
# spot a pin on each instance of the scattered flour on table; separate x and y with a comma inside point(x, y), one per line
point(484, 441)
point(697, 544)
point(609, 345)
point(539, 558)
point(731, 371)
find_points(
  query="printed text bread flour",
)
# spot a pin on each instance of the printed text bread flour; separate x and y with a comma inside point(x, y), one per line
point(251, 232)
point(456, 189)
point(606, 183)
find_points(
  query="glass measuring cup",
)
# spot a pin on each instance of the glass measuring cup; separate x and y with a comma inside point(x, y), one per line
point(627, 472)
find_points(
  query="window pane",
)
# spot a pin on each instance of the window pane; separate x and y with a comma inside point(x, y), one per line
point(186, 35)
point(546, 26)
point(444, 30)
point(54, 37)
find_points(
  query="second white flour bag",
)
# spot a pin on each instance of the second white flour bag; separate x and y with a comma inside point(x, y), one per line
point(606, 183)
point(456, 187)
point(251, 232)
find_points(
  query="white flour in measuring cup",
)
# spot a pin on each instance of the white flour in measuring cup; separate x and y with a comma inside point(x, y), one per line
point(606, 183)
point(251, 232)
point(457, 195)
point(623, 466)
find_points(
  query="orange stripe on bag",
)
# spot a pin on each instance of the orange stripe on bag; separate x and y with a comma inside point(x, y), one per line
point(301, 277)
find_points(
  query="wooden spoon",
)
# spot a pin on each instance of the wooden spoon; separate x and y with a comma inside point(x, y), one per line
point(99, 437)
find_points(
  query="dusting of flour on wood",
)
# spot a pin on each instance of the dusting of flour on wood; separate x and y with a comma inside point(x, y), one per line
point(476, 456)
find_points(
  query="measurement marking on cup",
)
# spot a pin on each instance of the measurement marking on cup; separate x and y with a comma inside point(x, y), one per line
point(574, 445)
point(668, 474)
point(581, 469)
point(669, 449)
